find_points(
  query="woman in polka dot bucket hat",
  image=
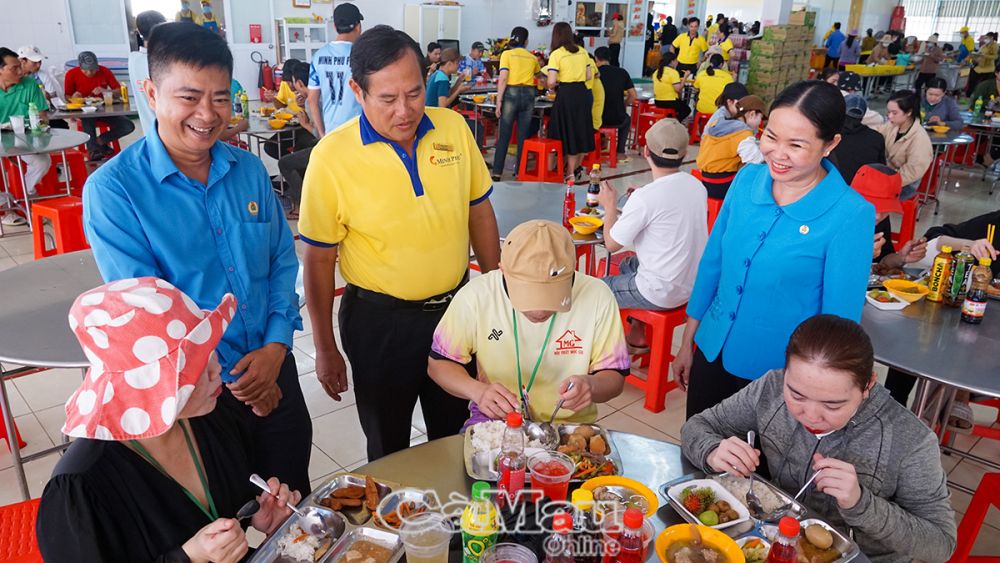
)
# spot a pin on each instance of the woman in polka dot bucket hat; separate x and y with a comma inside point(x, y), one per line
point(158, 471)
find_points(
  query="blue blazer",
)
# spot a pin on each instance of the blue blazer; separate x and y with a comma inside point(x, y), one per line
point(767, 268)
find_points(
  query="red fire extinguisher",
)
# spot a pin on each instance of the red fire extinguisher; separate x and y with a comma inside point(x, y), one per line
point(265, 75)
point(898, 20)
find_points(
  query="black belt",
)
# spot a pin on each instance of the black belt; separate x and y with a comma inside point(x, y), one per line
point(435, 303)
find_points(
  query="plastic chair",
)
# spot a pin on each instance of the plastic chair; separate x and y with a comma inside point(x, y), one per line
point(541, 172)
point(908, 224)
point(714, 204)
point(660, 327)
point(48, 185)
point(77, 173)
point(18, 543)
point(3, 436)
point(697, 126)
point(599, 155)
point(647, 119)
point(987, 494)
point(66, 216)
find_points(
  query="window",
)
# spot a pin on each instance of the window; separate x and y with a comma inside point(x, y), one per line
point(946, 17)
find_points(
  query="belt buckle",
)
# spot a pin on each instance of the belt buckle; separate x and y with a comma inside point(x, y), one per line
point(436, 304)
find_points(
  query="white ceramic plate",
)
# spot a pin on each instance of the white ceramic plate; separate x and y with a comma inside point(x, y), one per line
point(720, 494)
point(895, 305)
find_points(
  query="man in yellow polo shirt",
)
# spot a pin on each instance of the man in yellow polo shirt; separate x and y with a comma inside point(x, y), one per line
point(398, 194)
point(689, 48)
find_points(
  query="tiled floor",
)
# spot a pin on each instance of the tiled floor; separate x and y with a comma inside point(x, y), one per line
point(338, 443)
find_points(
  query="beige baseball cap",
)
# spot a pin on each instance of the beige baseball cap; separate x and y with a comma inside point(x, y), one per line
point(538, 261)
point(667, 138)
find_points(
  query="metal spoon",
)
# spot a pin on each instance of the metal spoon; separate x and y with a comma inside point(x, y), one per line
point(753, 501)
point(312, 521)
point(545, 432)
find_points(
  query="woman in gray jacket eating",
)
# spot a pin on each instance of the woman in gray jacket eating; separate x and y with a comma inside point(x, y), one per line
point(880, 472)
point(940, 108)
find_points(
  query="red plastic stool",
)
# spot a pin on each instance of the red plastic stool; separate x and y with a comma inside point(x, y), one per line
point(987, 494)
point(3, 436)
point(18, 543)
point(599, 155)
point(660, 327)
point(647, 119)
point(541, 148)
point(66, 215)
point(908, 225)
point(77, 173)
point(48, 185)
point(697, 125)
point(714, 206)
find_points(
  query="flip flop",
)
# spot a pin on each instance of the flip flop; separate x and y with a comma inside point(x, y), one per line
point(961, 419)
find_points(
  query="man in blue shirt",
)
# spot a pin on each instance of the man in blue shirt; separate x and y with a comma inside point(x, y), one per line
point(472, 65)
point(331, 71)
point(833, 44)
point(201, 214)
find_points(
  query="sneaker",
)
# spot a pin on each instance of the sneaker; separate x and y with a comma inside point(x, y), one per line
point(12, 219)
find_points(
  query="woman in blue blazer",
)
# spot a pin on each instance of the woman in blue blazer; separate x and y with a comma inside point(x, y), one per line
point(792, 240)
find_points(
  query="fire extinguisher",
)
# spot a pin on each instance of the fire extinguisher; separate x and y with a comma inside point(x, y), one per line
point(265, 74)
point(898, 20)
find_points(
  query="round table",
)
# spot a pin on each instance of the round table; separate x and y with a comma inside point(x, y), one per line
point(34, 331)
point(115, 110)
point(987, 131)
point(944, 145)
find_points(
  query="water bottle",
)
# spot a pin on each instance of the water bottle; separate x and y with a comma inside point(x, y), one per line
point(238, 106)
point(512, 462)
point(630, 540)
point(559, 546)
point(586, 533)
point(783, 548)
point(244, 101)
point(34, 118)
point(479, 524)
point(977, 112)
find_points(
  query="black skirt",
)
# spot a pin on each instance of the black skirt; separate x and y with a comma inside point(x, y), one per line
point(571, 118)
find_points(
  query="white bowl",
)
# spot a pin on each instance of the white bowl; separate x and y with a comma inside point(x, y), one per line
point(88, 109)
point(720, 494)
point(895, 305)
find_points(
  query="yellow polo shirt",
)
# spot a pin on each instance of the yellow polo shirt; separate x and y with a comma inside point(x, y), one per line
point(286, 96)
point(597, 90)
point(572, 67)
point(726, 46)
point(663, 87)
point(401, 224)
point(520, 65)
point(710, 88)
point(688, 49)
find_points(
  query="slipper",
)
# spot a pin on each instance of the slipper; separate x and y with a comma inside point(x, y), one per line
point(13, 220)
point(961, 419)
point(637, 350)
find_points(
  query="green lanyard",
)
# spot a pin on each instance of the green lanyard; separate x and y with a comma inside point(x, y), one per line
point(541, 354)
point(211, 511)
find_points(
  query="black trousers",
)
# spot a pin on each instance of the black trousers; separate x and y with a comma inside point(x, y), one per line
point(614, 50)
point(900, 385)
point(922, 79)
point(831, 62)
point(680, 106)
point(283, 439)
point(283, 144)
point(682, 68)
point(118, 127)
point(388, 349)
point(293, 170)
point(710, 384)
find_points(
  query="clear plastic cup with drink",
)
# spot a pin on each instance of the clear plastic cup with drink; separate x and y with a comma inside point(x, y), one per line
point(426, 537)
point(109, 98)
point(550, 473)
point(508, 553)
point(17, 123)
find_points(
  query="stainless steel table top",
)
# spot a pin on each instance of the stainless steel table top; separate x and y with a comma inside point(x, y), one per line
point(116, 110)
point(949, 138)
point(540, 102)
point(929, 340)
point(54, 140)
point(989, 124)
point(34, 330)
point(517, 202)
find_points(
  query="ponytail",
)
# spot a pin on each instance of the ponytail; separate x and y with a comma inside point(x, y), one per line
point(664, 63)
point(714, 62)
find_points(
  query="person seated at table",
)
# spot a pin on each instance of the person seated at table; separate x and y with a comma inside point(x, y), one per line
point(287, 97)
point(939, 108)
point(971, 234)
point(619, 93)
point(880, 186)
point(730, 142)
point(830, 74)
point(90, 79)
point(850, 83)
point(663, 222)
point(292, 100)
point(880, 473)
point(31, 65)
point(157, 470)
point(472, 66)
point(667, 87)
point(850, 51)
point(17, 92)
point(515, 97)
point(440, 92)
point(860, 144)
point(293, 166)
point(433, 58)
point(560, 326)
point(908, 148)
point(709, 83)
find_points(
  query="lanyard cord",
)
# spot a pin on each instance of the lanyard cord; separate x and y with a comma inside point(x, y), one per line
point(541, 354)
point(211, 512)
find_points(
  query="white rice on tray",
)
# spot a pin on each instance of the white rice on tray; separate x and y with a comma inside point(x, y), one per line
point(739, 486)
point(302, 550)
point(487, 436)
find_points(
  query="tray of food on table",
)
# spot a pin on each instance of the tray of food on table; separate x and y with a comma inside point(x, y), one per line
point(352, 504)
point(589, 446)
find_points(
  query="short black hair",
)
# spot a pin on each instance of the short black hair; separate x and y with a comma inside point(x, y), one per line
point(602, 54)
point(518, 36)
point(299, 72)
point(819, 102)
point(908, 102)
point(433, 46)
point(836, 25)
point(695, 20)
point(146, 21)
point(378, 48)
point(938, 82)
point(662, 162)
point(5, 52)
point(186, 43)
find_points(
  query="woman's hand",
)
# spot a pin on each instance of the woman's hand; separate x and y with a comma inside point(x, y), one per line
point(914, 251)
point(496, 401)
point(580, 396)
point(879, 243)
point(273, 509)
point(934, 119)
point(734, 455)
point(838, 479)
point(983, 249)
point(222, 541)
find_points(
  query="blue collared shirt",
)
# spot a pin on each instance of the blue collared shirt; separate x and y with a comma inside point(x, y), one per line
point(767, 268)
point(143, 217)
point(477, 65)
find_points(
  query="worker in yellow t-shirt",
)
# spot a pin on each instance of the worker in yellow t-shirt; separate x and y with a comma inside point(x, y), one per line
point(710, 83)
point(689, 47)
point(667, 87)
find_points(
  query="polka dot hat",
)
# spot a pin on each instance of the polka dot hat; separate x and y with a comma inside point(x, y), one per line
point(148, 344)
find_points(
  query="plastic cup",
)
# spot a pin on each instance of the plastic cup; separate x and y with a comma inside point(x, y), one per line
point(17, 123)
point(553, 485)
point(508, 553)
point(109, 98)
point(611, 527)
point(426, 537)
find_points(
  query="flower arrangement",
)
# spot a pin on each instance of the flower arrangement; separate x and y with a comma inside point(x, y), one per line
point(496, 46)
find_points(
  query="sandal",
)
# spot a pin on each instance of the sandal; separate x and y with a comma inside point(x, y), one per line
point(961, 419)
point(637, 350)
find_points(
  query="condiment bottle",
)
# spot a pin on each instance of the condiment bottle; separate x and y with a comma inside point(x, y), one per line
point(559, 546)
point(595, 186)
point(479, 524)
point(569, 205)
point(586, 533)
point(512, 461)
point(974, 306)
point(630, 540)
point(961, 274)
point(940, 275)
point(783, 548)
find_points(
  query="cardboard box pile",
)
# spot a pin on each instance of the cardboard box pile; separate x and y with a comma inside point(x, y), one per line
point(781, 56)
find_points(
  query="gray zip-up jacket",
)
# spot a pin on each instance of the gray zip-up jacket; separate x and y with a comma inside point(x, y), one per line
point(904, 513)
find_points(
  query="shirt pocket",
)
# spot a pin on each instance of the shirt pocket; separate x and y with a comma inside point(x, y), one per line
point(255, 244)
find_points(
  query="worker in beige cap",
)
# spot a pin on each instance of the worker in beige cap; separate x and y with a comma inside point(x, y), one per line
point(535, 325)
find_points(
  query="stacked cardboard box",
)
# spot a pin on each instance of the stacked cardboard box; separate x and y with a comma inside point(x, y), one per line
point(779, 58)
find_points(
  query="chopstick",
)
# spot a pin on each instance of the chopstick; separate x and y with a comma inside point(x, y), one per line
point(990, 231)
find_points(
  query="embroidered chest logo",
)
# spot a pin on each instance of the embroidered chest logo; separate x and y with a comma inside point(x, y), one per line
point(569, 344)
point(252, 208)
point(495, 335)
point(445, 161)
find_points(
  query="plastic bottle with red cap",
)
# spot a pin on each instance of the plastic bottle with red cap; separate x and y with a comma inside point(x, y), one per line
point(783, 548)
point(630, 540)
point(559, 547)
point(512, 462)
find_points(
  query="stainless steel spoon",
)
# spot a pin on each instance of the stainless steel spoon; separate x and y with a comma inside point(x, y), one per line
point(545, 432)
point(753, 501)
point(312, 520)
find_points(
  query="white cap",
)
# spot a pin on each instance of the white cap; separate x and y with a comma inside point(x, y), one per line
point(31, 53)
